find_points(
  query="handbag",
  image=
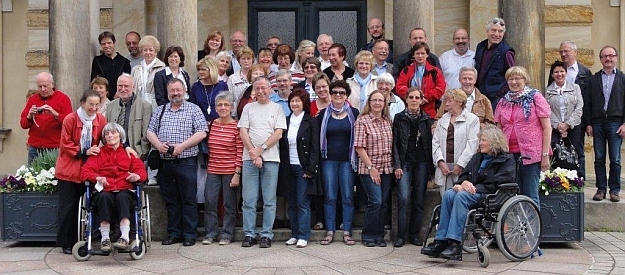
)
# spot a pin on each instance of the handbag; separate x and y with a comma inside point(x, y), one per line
point(154, 157)
point(564, 155)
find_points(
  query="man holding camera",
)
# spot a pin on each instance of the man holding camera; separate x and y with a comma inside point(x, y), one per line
point(43, 116)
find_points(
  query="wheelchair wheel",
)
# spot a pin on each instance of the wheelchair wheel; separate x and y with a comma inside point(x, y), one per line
point(80, 251)
point(518, 228)
point(469, 242)
point(138, 249)
point(145, 221)
point(483, 255)
point(82, 217)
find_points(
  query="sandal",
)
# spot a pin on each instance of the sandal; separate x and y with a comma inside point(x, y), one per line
point(328, 239)
point(318, 226)
point(347, 239)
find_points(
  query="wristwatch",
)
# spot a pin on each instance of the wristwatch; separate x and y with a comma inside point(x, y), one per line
point(545, 154)
point(369, 167)
point(264, 146)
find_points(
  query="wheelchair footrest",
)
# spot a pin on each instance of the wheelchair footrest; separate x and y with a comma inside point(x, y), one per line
point(99, 253)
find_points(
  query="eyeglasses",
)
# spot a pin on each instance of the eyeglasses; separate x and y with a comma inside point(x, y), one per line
point(377, 100)
point(499, 22)
point(311, 67)
point(609, 56)
point(336, 92)
point(517, 79)
point(223, 105)
point(414, 97)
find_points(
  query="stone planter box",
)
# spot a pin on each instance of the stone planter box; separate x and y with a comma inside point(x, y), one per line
point(562, 217)
point(29, 216)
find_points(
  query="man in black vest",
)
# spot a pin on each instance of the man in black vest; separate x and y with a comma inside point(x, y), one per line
point(604, 117)
point(493, 57)
point(110, 64)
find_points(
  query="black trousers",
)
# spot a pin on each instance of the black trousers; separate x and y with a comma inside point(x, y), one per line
point(69, 195)
point(113, 204)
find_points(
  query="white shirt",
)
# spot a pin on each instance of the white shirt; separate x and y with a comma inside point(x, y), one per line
point(179, 76)
point(451, 62)
point(571, 72)
point(291, 136)
point(470, 101)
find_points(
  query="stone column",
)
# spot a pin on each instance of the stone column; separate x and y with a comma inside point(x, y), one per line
point(408, 15)
point(177, 26)
point(525, 31)
point(71, 44)
point(480, 12)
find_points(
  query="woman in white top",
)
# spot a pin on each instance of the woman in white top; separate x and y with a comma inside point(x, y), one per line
point(385, 84)
point(224, 61)
point(305, 50)
point(143, 74)
point(238, 82)
point(363, 82)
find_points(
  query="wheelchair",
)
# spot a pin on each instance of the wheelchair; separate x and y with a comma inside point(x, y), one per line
point(87, 226)
point(512, 220)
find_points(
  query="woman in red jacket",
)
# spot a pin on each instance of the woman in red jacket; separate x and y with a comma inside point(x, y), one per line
point(423, 75)
point(114, 173)
point(80, 136)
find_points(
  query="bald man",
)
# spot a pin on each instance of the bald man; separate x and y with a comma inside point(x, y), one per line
point(43, 116)
point(456, 58)
point(238, 40)
point(375, 28)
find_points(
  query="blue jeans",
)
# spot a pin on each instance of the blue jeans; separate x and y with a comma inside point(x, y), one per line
point(338, 175)
point(454, 209)
point(177, 181)
point(214, 185)
point(411, 188)
point(527, 178)
point(605, 134)
point(34, 152)
point(377, 207)
point(264, 179)
point(299, 204)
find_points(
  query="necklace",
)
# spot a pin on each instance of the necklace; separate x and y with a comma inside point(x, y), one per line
point(208, 100)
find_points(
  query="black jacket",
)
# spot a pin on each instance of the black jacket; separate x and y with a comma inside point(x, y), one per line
point(160, 86)
point(110, 69)
point(401, 133)
point(307, 151)
point(502, 169)
point(594, 100)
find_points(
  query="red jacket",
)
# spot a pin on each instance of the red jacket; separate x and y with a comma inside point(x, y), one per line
point(114, 164)
point(48, 133)
point(432, 89)
point(70, 158)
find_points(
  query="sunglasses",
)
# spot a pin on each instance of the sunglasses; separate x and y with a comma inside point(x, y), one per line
point(335, 92)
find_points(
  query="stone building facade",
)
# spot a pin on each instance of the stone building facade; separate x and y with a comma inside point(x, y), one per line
point(61, 36)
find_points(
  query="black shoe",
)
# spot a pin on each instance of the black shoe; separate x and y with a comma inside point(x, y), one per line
point(171, 240)
point(189, 242)
point(434, 249)
point(416, 241)
point(381, 243)
point(399, 242)
point(453, 252)
point(265, 242)
point(248, 242)
point(67, 250)
point(368, 243)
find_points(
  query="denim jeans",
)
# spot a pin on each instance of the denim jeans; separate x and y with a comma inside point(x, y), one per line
point(214, 185)
point(299, 203)
point(527, 178)
point(177, 181)
point(377, 207)
point(454, 209)
point(264, 179)
point(605, 134)
point(411, 188)
point(338, 176)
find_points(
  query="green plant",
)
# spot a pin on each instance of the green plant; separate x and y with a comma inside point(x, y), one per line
point(45, 160)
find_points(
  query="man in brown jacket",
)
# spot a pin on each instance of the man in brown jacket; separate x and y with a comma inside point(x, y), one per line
point(478, 103)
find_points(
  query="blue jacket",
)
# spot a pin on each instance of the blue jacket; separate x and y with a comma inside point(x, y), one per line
point(493, 83)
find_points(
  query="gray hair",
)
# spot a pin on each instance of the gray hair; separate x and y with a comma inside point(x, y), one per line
point(468, 69)
point(225, 95)
point(387, 78)
point(282, 72)
point(570, 43)
point(496, 138)
point(325, 35)
point(264, 78)
point(114, 127)
point(221, 54)
point(495, 21)
point(125, 75)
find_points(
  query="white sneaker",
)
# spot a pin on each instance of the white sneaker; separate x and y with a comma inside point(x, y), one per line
point(152, 182)
point(291, 241)
point(302, 243)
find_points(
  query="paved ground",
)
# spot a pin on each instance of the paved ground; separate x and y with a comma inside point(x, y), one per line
point(600, 253)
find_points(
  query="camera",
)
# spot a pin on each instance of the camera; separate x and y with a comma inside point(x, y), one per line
point(39, 110)
point(170, 150)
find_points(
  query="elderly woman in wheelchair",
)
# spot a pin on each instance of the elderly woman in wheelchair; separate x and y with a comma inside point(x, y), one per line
point(115, 174)
point(491, 166)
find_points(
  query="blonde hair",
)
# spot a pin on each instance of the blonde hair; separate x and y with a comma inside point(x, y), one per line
point(457, 95)
point(245, 51)
point(256, 67)
point(365, 56)
point(151, 41)
point(520, 71)
point(302, 46)
point(209, 63)
point(386, 114)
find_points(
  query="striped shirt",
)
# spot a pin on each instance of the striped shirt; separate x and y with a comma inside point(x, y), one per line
point(225, 148)
point(376, 136)
point(178, 126)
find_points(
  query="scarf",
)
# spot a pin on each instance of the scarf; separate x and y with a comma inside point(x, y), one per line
point(324, 126)
point(145, 71)
point(87, 128)
point(525, 100)
point(363, 83)
point(417, 78)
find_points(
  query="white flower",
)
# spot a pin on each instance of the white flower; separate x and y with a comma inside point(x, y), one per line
point(570, 174)
point(546, 193)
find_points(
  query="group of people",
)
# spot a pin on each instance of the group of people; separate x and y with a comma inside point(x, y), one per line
point(282, 122)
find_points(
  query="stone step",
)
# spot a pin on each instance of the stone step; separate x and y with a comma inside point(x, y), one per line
point(602, 215)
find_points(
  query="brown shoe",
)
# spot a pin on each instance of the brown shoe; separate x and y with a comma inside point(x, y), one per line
point(599, 196)
point(614, 197)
